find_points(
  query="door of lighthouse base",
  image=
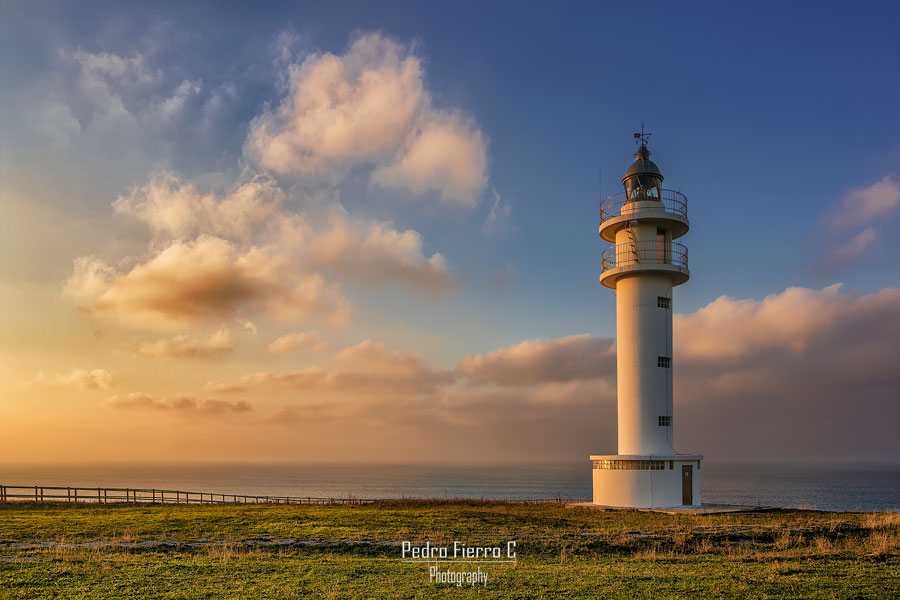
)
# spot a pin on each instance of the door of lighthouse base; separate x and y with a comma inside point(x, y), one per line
point(687, 485)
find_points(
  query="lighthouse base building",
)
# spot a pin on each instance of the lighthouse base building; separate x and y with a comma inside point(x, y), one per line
point(648, 481)
point(643, 266)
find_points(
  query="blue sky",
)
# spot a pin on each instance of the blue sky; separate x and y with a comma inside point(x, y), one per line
point(768, 116)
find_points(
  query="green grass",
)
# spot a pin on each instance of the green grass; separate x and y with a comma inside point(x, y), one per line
point(353, 552)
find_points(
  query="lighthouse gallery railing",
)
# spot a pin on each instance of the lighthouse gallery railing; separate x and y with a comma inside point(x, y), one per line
point(672, 202)
point(645, 253)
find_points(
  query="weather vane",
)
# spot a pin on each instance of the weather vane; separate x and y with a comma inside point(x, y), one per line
point(642, 137)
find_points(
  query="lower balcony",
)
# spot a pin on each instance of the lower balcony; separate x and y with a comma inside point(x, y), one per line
point(650, 256)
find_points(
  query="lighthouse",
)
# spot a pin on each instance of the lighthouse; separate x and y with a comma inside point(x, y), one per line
point(643, 265)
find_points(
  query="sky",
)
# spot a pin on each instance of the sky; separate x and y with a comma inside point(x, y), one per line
point(355, 231)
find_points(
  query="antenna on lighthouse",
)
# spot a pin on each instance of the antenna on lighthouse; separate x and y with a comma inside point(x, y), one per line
point(642, 137)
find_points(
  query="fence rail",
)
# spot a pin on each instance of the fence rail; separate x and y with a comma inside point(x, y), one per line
point(104, 495)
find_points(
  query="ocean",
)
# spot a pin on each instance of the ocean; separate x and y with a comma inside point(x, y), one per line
point(864, 487)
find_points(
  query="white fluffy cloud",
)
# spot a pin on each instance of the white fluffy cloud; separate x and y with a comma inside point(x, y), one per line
point(447, 155)
point(370, 107)
point(173, 208)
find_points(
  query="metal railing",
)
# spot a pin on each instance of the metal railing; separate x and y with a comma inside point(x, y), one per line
point(617, 205)
point(645, 253)
point(104, 495)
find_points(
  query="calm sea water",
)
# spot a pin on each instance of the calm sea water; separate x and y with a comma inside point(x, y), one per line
point(844, 487)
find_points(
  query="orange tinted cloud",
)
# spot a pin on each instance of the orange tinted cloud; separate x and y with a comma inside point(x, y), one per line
point(173, 208)
point(182, 404)
point(370, 106)
point(367, 370)
point(216, 345)
point(728, 329)
point(539, 361)
point(375, 252)
point(208, 278)
point(94, 379)
point(297, 341)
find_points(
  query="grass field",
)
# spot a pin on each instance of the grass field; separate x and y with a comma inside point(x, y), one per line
point(127, 551)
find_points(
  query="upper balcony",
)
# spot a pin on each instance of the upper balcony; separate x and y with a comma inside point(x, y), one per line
point(617, 210)
point(670, 258)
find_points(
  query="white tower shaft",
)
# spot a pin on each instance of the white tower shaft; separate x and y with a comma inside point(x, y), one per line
point(644, 335)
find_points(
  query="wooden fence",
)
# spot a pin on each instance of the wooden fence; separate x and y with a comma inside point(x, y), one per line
point(102, 495)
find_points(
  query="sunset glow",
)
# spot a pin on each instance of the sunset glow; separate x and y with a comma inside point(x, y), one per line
point(279, 237)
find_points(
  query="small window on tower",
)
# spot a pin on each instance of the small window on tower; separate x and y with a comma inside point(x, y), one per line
point(665, 362)
point(665, 421)
point(663, 302)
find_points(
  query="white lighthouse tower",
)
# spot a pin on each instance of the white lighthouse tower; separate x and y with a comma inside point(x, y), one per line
point(643, 266)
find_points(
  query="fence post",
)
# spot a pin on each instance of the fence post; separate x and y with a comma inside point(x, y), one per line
point(35, 494)
point(2, 493)
point(76, 495)
point(68, 494)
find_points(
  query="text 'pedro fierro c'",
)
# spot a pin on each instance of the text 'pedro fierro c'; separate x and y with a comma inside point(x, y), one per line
point(457, 553)
point(461, 552)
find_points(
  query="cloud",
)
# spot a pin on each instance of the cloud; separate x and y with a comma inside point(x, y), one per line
point(370, 107)
point(181, 404)
point(366, 371)
point(538, 361)
point(250, 256)
point(728, 329)
point(375, 252)
point(216, 345)
point(175, 209)
point(853, 249)
point(133, 109)
point(802, 374)
point(867, 207)
point(307, 340)
point(205, 279)
point(447, 155)
point(95, 379)
point(57, 123)
point(864, 205)
point(498, 217)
